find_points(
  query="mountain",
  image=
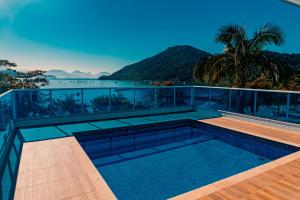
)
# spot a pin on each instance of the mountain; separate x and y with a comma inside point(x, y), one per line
point(75, 74)
point(291, 59)
point(178, 62)
point(57, 73)
point(175, 63)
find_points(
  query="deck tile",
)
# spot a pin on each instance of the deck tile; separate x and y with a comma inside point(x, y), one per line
point(43, 133)
point(58, 169)
point(178, 116)
point(76, 128)
point(159, 118)
point(109, 124)
point(136, 121)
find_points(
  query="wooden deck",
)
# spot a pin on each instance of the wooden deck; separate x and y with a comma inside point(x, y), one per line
point(59, 169)
point(277, 180)
point(280, 135)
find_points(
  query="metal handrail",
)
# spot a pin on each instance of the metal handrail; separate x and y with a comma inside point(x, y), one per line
point(250, 89)
point(150, 87)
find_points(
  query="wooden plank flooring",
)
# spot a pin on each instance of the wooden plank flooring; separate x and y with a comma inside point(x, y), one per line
point(59, 169)
point(277, 180)
point(280, 135)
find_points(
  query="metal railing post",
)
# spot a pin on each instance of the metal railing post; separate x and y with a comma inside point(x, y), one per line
point(82, 107)
point(155, 97)
point(133, 108)
point(51, 103)
point(109, 101)
point(229, 102)
point(255, 103)
point(192, 96)
point(209, 101)
point(14, 105)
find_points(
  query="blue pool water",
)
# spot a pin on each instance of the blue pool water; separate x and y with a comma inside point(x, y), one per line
point(169, 173)
point(162, 161)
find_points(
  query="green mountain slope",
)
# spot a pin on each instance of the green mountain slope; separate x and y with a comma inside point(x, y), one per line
point(175, 63)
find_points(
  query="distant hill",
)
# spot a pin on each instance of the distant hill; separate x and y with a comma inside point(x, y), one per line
point(75, 74)
point(291, 59)
point(175, 63)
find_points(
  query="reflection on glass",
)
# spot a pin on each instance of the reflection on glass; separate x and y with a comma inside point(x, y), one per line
point(66, 102)
point(6, 116)
point(165, 97)
point(122, 99)
point(201, 97)
point(144, 98)
point(242, 101)
point(183, 96)
point(96, 100)
point(272, 105)
point(294, 109)
point(33, 104)
point(220, 99)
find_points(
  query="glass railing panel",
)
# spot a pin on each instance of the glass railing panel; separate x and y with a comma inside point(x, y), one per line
point(33, 104)
point(294, 108)
point(122, 99)
point(6, 117)
point(202, 97)
point(220, 99)
point(6, 123)
point(165, 97)
point(271, 105)
point(66, 102)
point(96, 100)
point(183, 96)
point(242, 101)
point(144, 98)
point(10, 167)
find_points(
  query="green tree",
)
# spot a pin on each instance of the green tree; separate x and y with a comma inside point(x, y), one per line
point(31, 79)
point(243, 59)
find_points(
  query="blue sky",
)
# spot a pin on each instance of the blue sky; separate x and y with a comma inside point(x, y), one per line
point(104, 35)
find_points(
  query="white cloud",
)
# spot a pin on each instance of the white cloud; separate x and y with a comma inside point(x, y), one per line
point(8, 8)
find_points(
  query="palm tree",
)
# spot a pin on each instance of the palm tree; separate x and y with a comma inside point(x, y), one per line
point(242, 57)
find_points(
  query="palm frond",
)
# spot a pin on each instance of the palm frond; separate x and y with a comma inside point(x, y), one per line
point(213, 69)
point(267, 34)
point(231, 35)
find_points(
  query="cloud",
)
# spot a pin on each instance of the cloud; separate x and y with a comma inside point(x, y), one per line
point(8, 8)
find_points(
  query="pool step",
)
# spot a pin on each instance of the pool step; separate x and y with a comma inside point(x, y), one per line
point(107, 160)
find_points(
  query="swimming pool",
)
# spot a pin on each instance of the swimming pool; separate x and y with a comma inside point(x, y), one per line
point(164, 160)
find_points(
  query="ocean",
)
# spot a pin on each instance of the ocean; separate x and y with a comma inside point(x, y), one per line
point(93, 83)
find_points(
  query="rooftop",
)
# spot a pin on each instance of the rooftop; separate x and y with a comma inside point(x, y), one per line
point(42, 158)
